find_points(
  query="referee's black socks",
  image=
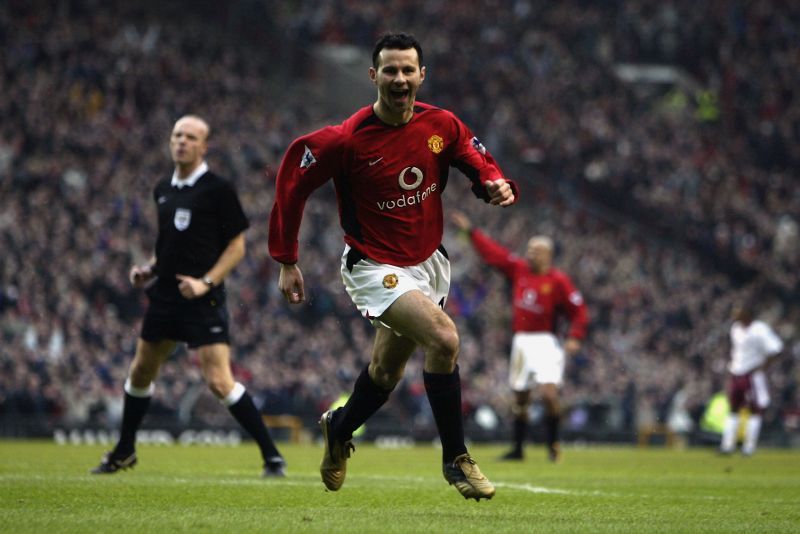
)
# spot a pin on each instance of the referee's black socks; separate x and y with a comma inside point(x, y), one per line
point(244, 410)
point(136, 402)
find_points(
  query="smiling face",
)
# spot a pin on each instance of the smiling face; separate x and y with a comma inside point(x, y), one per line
point(397, 76)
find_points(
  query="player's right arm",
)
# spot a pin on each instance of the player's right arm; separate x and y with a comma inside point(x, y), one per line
point(310, 161)
point(290, 283)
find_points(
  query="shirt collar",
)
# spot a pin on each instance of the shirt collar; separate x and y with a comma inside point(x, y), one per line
point(190, 180)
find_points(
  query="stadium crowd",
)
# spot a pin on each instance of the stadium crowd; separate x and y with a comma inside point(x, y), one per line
point(667, 204)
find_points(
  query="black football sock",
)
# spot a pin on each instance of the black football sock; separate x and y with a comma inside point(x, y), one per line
point(246, 414)
point(135, 405)
point(444, 395)
point(367, 398)
point(551, 423)
point(519, 433)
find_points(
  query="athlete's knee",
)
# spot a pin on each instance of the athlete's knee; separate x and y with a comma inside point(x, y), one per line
point(551, 405)
point(552, 408)
point(519, 410)
point(444, 343)
point(219, 384)
point(142, 373)
point(385, 377)
point(147, 361)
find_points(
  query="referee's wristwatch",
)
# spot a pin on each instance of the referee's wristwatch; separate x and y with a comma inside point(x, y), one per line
point(208, 281)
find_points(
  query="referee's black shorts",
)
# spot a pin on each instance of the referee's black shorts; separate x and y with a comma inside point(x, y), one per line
point(197, 323)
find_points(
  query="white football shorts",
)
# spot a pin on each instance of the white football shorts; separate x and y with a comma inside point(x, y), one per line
point(536, 358)
point(373, 286)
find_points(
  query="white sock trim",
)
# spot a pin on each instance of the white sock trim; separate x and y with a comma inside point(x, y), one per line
point(751, 437)
point(234, 396)
point(729, 432)
point(139, 392)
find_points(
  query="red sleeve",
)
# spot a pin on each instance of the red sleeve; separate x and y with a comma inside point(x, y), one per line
point(309, 162)
point(493, 253)
point(574, 307)
point(472, 158)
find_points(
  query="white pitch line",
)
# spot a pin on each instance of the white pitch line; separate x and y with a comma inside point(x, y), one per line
point(520, 487)
point(553, 491)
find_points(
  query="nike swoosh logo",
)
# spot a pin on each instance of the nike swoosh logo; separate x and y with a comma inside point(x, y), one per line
point(371, 163)
point(161, 200)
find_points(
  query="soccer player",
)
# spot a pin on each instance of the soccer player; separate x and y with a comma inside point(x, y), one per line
point(541, 296)
point(389, 163)
point(754, 346)
point(200, 240)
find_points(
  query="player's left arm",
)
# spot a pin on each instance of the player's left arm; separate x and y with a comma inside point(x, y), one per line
point(477, 163)
point(192, 288)
point(773, 346)
point(575, 309)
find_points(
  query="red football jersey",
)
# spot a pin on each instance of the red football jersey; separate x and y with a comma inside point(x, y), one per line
point(388, 179)
point(539, 299)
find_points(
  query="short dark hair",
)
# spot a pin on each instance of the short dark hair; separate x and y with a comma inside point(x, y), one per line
point(396, 41)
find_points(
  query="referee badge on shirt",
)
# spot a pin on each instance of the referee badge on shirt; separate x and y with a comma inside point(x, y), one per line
point(390, 281)
point(183, 218)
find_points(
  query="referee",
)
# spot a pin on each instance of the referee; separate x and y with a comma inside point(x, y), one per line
point(201, 228)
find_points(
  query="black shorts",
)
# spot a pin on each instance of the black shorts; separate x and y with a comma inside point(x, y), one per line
point(199, 323)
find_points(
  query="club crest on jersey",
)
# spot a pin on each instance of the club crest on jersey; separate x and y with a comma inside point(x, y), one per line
point(183, 218)
point(308, 159)
point(390, 281)
point(545, 289)
point(477, 145)
point(436, 144)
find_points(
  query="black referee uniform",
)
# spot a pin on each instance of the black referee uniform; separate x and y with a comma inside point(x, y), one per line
point(196, 222)
point(200, 228)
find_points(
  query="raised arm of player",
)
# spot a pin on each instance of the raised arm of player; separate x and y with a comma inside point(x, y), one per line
point(493, 253)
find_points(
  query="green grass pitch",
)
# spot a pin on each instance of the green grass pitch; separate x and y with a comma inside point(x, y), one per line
point(46, 487)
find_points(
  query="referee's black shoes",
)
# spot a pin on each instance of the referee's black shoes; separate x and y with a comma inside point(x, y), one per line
point(275, 468)
point(111, 463)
